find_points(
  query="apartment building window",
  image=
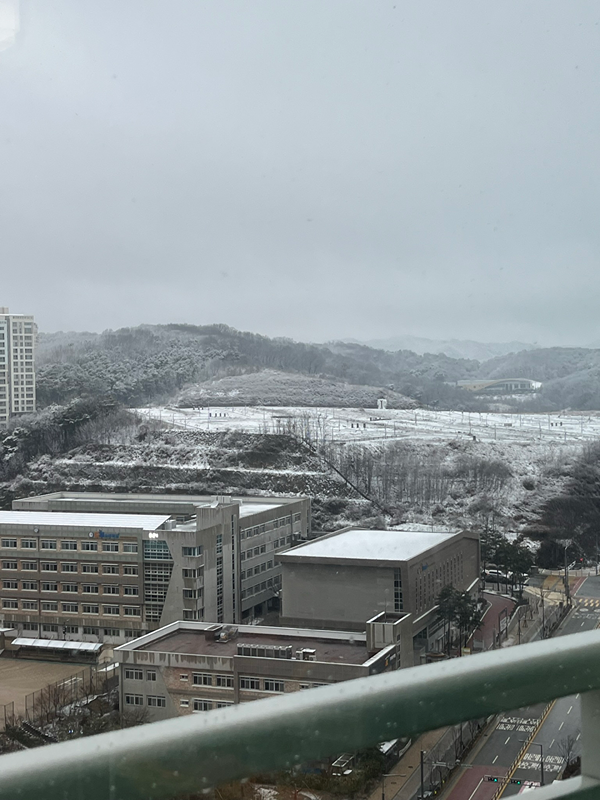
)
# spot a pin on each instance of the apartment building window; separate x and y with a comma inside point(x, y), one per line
point(29, 566)
point(70, 608)
point(201, 679)
point(190, 594)
point(90, 609)
point(110, 588)
point(110, 611)
point(190, 573)
point(70, 628)
point(132, 611)
point(224, 703)
point(68, 544)
point(90, 588)
point(249, 683)
point(397, 590)
point(68, 566)
point(69, 587)
point(191, 551)
point(158, 701)
point(89, 546)
point(29, 586)
point(9, 543)
point(131, 591)
point(47, 586)
point(202, 705)
point(184, 676)
point(89, 630)
point(50, 605)
point(10, 584)
point(112, 632)
point(12, 604)
point(130, 547)
point(134, 675)
point(50, 628)
point(110, 569)
point(48, 544)
point(184, 703)
point(190, 613)
point(130, 569)
point(156, 550)
point(9, 565)
point(90, 568)
point(29, 605)
point(49, 566)
point(225, 681)
point(134, 699)
point(150, 674)
point(28, 544)
point(110, 547)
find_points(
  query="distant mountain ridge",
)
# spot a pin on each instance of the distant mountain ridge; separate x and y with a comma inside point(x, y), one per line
point(454, 348)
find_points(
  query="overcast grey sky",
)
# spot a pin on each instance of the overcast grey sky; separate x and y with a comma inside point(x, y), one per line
point(316, 169)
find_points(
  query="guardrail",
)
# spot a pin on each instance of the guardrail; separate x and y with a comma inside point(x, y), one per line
point(193, 753)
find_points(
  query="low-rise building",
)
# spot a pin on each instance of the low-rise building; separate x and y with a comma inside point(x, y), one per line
point(197, 666)
point(70, 572)
point(344, 578)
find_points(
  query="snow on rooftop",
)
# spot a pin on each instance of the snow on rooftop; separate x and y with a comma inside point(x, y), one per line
point(60, 519)
point(371, 545)
point(246, 509)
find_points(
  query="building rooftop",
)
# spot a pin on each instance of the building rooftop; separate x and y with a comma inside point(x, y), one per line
point(55, 519)
point(190, 638)
point(247, 509)
point(370, 545)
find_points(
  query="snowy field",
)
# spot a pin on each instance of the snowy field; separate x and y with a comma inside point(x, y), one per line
point(364, 425)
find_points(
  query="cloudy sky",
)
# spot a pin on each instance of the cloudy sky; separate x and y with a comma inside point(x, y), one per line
point(316, 169)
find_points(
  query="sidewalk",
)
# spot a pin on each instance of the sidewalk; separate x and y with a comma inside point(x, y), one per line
point(406, 773)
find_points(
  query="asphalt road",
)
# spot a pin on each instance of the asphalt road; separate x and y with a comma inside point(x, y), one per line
point(564, 719)
point(497, 755)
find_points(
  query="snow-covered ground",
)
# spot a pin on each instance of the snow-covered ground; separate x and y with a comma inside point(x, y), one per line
point(364, 425)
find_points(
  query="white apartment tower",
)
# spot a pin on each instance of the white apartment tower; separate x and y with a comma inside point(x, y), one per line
point(17, 370)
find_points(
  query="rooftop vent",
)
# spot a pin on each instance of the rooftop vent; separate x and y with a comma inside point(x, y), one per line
point(228, 633)
point(306, 654)
point(265, 651)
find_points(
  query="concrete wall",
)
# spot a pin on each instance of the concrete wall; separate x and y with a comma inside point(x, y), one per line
point(335, 596)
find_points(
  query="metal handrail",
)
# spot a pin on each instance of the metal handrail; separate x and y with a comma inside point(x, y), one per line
point(192, 753)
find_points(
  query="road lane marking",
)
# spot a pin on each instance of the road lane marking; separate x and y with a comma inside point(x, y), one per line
point(476, 788)
point(569, 711)
point(578, 735)
point(577, 696)
point(552, 742)
point(561, 724)
point(495, 759)
point(507, 740)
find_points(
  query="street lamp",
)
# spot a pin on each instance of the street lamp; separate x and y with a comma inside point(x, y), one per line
point(383, 777)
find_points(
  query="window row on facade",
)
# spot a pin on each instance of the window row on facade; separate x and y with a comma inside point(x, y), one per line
point(271, 583)
point(71, 588)
point(70, 566)
point(53, 606)
point(257, 569)
point(85, 630)
point(84, 545)
point(251, 552)
point(256, 530)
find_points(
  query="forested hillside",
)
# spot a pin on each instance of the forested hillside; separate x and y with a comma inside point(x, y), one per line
point(150, 364)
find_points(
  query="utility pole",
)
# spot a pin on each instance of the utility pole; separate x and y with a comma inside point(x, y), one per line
point(422, 774)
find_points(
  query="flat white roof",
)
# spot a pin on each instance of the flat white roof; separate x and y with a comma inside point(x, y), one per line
point(371, 545)
point(62, 519)
point(247, 509)
point(57, 644)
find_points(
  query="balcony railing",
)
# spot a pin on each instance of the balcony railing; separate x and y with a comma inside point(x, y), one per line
point(192, 753)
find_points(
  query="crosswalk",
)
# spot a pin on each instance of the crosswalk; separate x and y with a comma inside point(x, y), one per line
point(587, 602)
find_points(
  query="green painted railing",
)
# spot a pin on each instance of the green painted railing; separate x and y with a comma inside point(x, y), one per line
point(192, 753)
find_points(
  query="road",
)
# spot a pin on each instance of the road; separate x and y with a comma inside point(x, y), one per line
point(497, 755)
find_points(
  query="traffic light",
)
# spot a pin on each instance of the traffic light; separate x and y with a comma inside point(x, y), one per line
point(516, 780)
point(493, 778)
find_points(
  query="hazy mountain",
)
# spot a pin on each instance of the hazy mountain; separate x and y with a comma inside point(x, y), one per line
point(455, 348)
